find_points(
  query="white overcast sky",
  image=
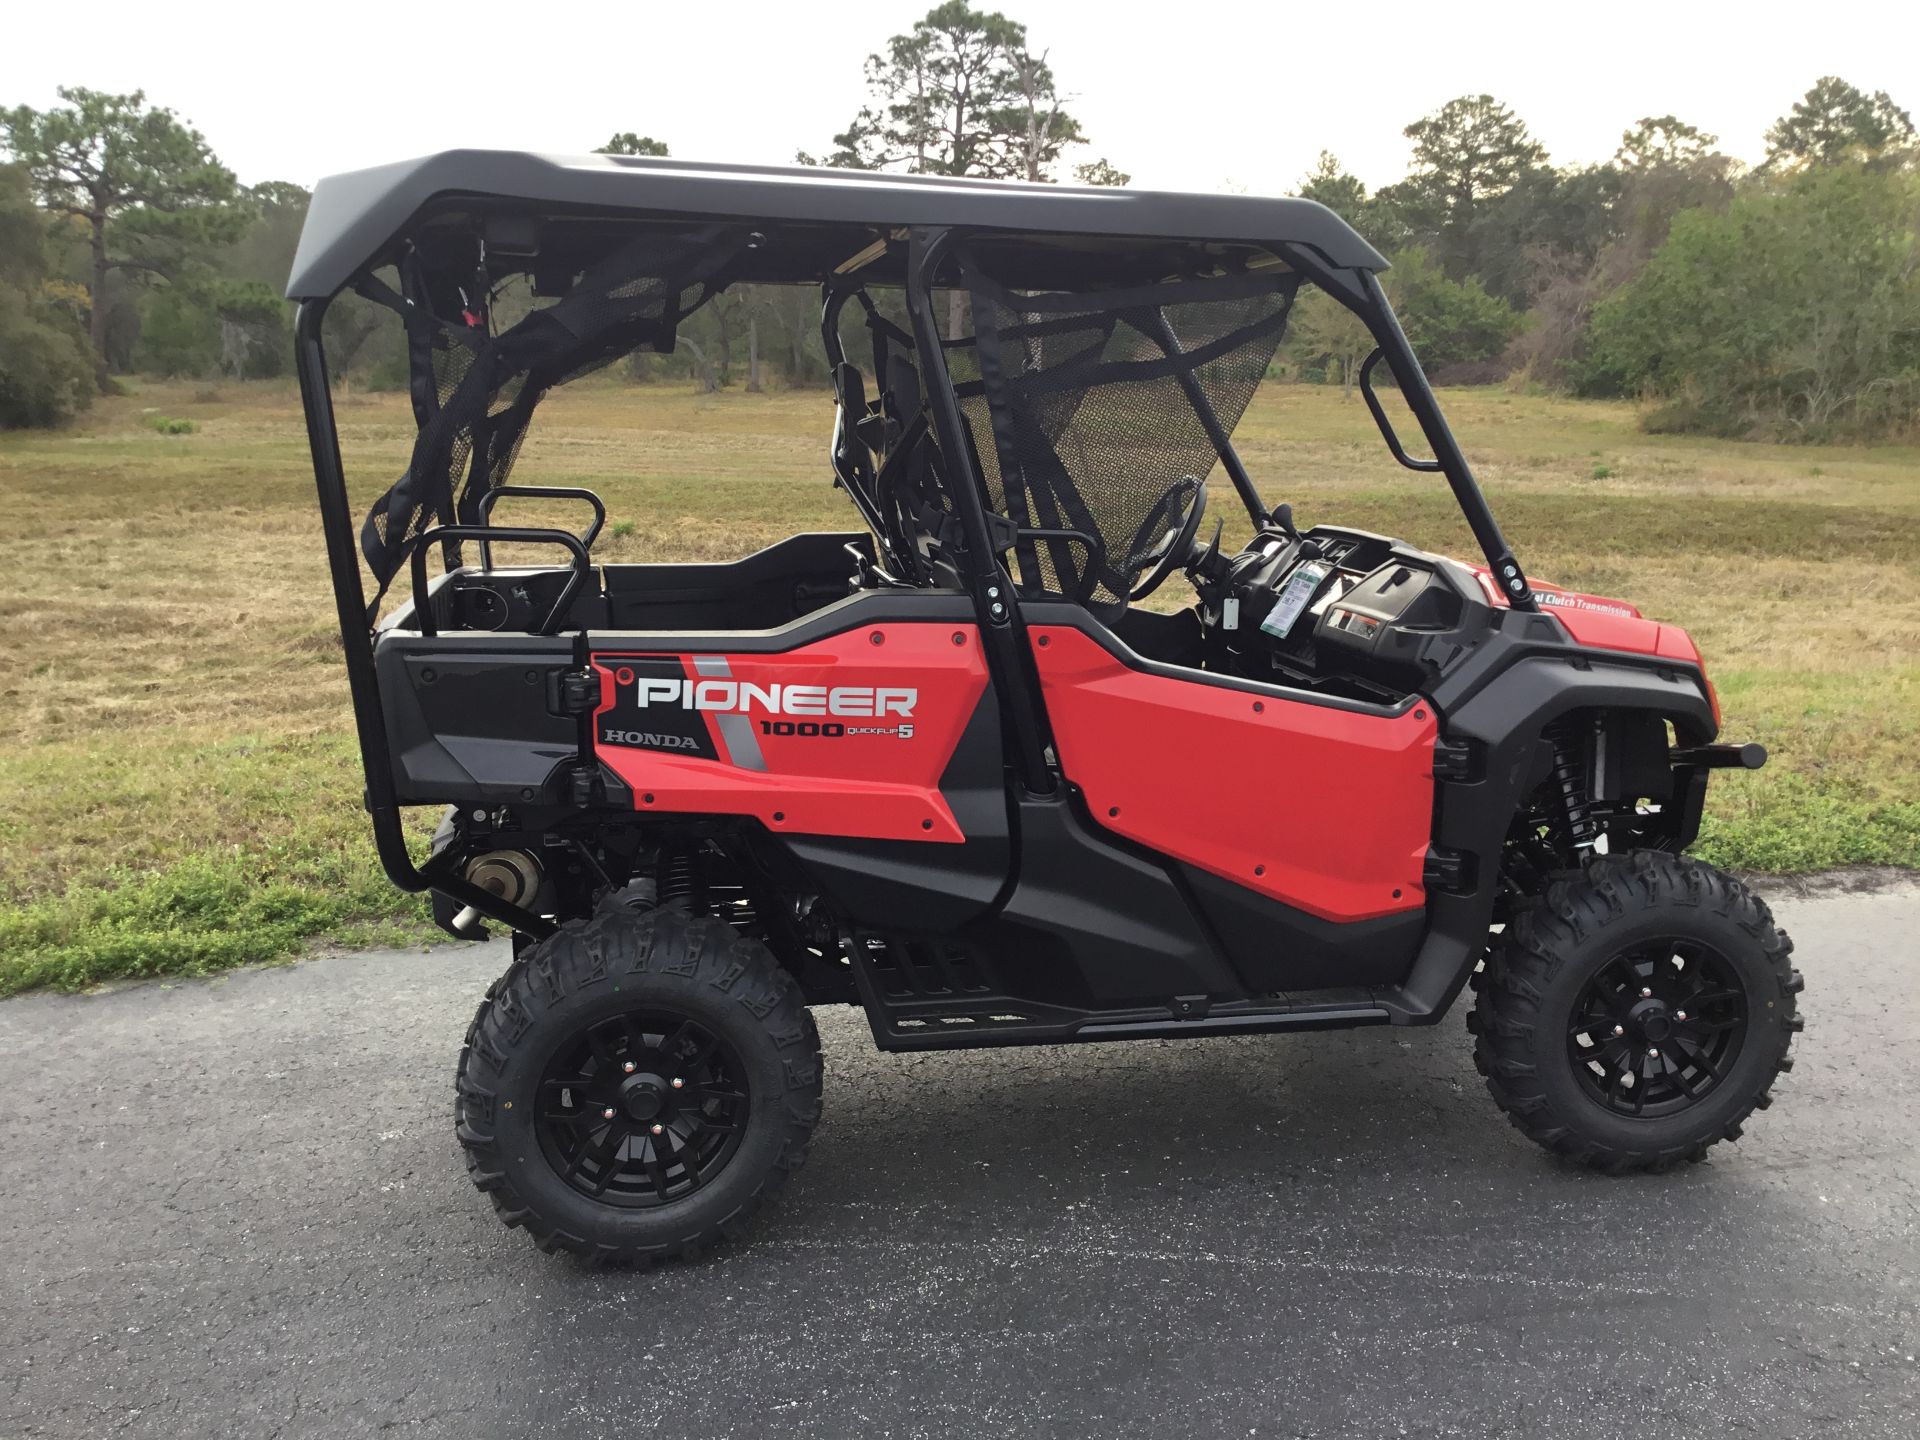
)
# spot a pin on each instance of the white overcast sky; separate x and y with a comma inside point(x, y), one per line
point(1185, 96)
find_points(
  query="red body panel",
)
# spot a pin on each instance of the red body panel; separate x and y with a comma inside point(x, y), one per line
point(1324, 809)
point(781, 768)
point(1633, 634)
point(1604, 623)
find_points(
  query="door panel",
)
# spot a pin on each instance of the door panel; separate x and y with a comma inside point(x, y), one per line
point(1323, 808)
point(845, 735)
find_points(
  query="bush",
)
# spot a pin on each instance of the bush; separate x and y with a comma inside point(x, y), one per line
point(1456, 328)
point(1690, 417)
point(1794, 311)
point(1469, 372)
point(221, 327)
point(178, 335)
point(1450, 322)
point(46, 366)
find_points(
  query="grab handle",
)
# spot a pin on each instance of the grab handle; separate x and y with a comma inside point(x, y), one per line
point(1380, 417)
point(557, 492)
point(416, 551)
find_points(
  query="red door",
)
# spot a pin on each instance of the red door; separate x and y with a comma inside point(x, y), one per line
point(1324, 808)
point(848, 735)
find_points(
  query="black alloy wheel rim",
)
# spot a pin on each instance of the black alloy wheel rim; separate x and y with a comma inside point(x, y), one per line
point(1658, 1028)
point(642, 1109)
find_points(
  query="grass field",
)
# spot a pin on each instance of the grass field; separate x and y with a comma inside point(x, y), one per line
point(178, 791)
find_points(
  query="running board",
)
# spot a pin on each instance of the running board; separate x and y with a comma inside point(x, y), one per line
point(1252, 1022)
point(922, 995)
point(1012, 1022)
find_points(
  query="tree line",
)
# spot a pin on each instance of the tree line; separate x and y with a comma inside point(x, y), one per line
point(1778, 300)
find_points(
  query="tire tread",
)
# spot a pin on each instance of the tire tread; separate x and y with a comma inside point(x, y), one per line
point(1572, 907)
point(587, 952)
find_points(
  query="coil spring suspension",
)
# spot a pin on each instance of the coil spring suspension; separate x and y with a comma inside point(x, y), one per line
point(700, 880)
point(676, 878)
point(1577, 824)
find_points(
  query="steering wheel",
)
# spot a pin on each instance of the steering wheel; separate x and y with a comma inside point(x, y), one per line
point(1162, 559)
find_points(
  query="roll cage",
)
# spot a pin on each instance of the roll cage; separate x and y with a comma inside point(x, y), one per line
point(911, 459)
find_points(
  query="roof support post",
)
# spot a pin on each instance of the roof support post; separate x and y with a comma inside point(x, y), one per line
point(356, 640)
point(1359, 290)
point(1216, 432)
point(1002, 630)
point(1425, 405)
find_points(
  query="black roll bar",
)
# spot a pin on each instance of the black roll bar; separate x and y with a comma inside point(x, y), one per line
point(356, 639)
point(1359, 290)
point(1387, 432)
point(835, 300)
point(1447, 456)
point(1003, 631)
point(1210, 421)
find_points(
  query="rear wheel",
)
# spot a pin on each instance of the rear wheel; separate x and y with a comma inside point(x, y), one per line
point(636, 1086)
point(1637, 1012)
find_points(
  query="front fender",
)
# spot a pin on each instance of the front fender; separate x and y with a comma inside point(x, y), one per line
point(1500, 722)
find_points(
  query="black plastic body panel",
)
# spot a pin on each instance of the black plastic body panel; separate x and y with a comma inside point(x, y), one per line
point(1121, 918)
point(762, 591)
point(1386, 616)
point(1277, 948)
point(468, 716)
point(767, 589)
point(1077, 924)
point(926, 889)
point(1498, 700)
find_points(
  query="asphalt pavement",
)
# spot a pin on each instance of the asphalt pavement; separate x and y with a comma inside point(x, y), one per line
point(236, 1208)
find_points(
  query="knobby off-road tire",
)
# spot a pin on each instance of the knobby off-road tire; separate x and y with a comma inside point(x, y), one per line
point(577, 994)
point(1564, 960)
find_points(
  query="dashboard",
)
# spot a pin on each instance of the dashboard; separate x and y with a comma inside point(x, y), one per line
point(1339, 611)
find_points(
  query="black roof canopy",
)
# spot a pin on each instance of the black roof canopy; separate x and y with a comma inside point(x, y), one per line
point(356, 217)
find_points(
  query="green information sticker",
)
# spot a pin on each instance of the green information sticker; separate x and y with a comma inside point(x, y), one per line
point(1295, 596)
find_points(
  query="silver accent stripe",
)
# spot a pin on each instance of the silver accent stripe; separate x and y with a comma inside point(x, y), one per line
point(736, 729)
point(742, 743)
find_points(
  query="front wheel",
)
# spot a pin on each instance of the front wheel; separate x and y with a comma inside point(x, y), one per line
point(1637, 1012)
point(636, 1086)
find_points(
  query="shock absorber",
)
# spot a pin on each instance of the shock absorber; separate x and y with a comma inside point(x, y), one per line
point(1569, 778)
point(676, 876)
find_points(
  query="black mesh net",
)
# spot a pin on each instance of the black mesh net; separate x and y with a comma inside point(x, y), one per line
point(1084, 410)
point(474, 392)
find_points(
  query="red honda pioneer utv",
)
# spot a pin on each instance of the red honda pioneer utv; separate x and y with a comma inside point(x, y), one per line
point(947, 767)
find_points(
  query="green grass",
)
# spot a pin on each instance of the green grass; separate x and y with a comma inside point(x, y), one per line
point(179, 790)
point(293, 860)
point(196, 916)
